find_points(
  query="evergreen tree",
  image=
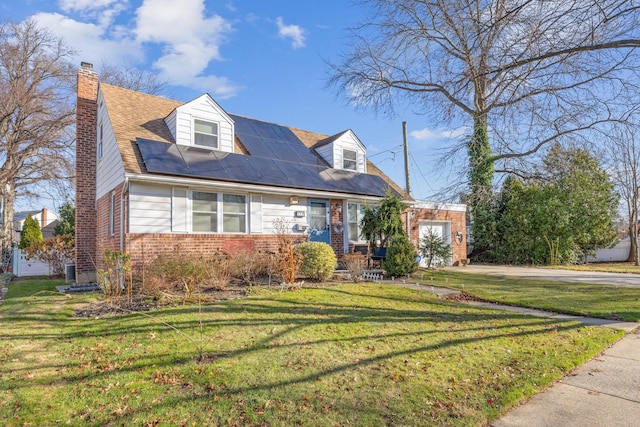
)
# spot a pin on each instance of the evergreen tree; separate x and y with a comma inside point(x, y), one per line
point(67, 225)
point(30, 232)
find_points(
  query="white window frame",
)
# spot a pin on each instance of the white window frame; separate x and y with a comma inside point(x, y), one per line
point(112, 213)
point(345, 160)
point(99, 149)
point(359, 209)
point(220, 212)
point(216, 135)
point(207, 212)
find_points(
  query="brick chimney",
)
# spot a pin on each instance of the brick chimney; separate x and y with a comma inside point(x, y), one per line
point(86, 143)
point(43, 218)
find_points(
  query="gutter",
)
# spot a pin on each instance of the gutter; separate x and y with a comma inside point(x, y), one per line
point(233, 186)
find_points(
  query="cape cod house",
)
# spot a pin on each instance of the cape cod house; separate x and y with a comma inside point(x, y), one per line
point(153, 174)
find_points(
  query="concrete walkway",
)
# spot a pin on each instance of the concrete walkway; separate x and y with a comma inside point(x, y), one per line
point(604, 391)
point(594, 277)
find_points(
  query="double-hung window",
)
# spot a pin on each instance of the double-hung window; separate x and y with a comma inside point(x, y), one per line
point(234, 213)
point(205, 212)
point(205, 133)
point(207, 206)
point(349, 159)
point(355, 212)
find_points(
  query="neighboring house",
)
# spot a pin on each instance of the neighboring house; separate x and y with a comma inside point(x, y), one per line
point(155, 174)
point(47, 219)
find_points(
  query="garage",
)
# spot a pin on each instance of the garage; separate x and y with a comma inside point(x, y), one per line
point(442, 229)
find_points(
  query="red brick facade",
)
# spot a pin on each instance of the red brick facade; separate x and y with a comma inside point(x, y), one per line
point(457, 219)
point(144, 248)
point(86, 125)
point(336, 219)
point(108, 235)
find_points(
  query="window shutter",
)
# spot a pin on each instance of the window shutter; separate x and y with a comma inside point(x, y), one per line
point(255, 209)
point(179, 211)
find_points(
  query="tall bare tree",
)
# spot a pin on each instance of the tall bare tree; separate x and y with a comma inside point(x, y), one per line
point(36, 112)
point(520, 73)
point(623, 146)
point(133, 78)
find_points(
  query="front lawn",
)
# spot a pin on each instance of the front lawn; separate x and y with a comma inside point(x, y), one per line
point(354, 354)
point(603, 301)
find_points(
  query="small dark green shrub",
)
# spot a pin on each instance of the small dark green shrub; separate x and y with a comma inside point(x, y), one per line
point(318, 260)
point(401, 257)
point(433, 248)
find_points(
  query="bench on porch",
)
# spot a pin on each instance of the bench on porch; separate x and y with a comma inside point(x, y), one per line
point(379, 255)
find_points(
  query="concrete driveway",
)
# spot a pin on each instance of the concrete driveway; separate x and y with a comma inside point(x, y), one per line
point(592, 277)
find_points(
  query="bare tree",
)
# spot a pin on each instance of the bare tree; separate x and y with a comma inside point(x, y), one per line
point(520, 73)
point(623, 145)
point(129, 77)
point(36, 111)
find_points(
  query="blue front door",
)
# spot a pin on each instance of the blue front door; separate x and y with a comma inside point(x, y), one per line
point(319, 221)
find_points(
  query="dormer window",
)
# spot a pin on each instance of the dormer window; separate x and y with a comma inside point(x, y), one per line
point(349, 160)
point(205, 133)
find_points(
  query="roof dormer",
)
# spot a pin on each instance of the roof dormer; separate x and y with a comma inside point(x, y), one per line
point(343, 151)
point(202, 123)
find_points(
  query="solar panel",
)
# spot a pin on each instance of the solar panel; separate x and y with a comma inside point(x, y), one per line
point(272, 141)
point(172, 159)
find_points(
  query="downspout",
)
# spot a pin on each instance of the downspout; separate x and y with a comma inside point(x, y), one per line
point(125, 188)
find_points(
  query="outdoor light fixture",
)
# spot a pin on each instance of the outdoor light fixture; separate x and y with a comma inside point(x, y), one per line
point(338, 207)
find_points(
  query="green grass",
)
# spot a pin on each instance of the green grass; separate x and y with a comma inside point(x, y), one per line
point(363, 355)
point(603, 301)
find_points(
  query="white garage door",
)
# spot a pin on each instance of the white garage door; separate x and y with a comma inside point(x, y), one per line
point(442, 229)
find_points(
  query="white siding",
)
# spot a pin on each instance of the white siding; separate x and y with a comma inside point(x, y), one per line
point(275, 207)
point(332, 153)
point(149, 208)
point(170, 121)
point(109, 169)
point(179, 211)
point(255, 214)
point(181, 122)
point(349, 141)
point(326, 152)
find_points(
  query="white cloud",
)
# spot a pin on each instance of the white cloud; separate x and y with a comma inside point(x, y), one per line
point(189, 39)
point(177, 37)
point(90, 41)
point(426, 133)
point(294, 32)
point(88, 5)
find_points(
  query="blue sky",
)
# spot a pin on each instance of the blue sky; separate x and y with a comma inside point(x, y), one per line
point(257, 58)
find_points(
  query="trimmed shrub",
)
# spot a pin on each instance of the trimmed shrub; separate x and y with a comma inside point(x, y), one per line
point(401, 256)
point(318, 260)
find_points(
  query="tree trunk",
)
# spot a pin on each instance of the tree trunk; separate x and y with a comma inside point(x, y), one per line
point(480, 180)
point(8, 197)
point(633, 237)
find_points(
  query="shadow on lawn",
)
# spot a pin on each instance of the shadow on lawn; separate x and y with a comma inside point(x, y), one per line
point(290, 316)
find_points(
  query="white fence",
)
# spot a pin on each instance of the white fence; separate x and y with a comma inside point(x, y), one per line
point(618, 253)
point(21, 266)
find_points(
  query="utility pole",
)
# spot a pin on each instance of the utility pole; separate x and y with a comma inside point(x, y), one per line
point(406, 157)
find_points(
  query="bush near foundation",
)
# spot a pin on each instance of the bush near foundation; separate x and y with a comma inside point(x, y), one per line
point(401, 256)
point(318, 260)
